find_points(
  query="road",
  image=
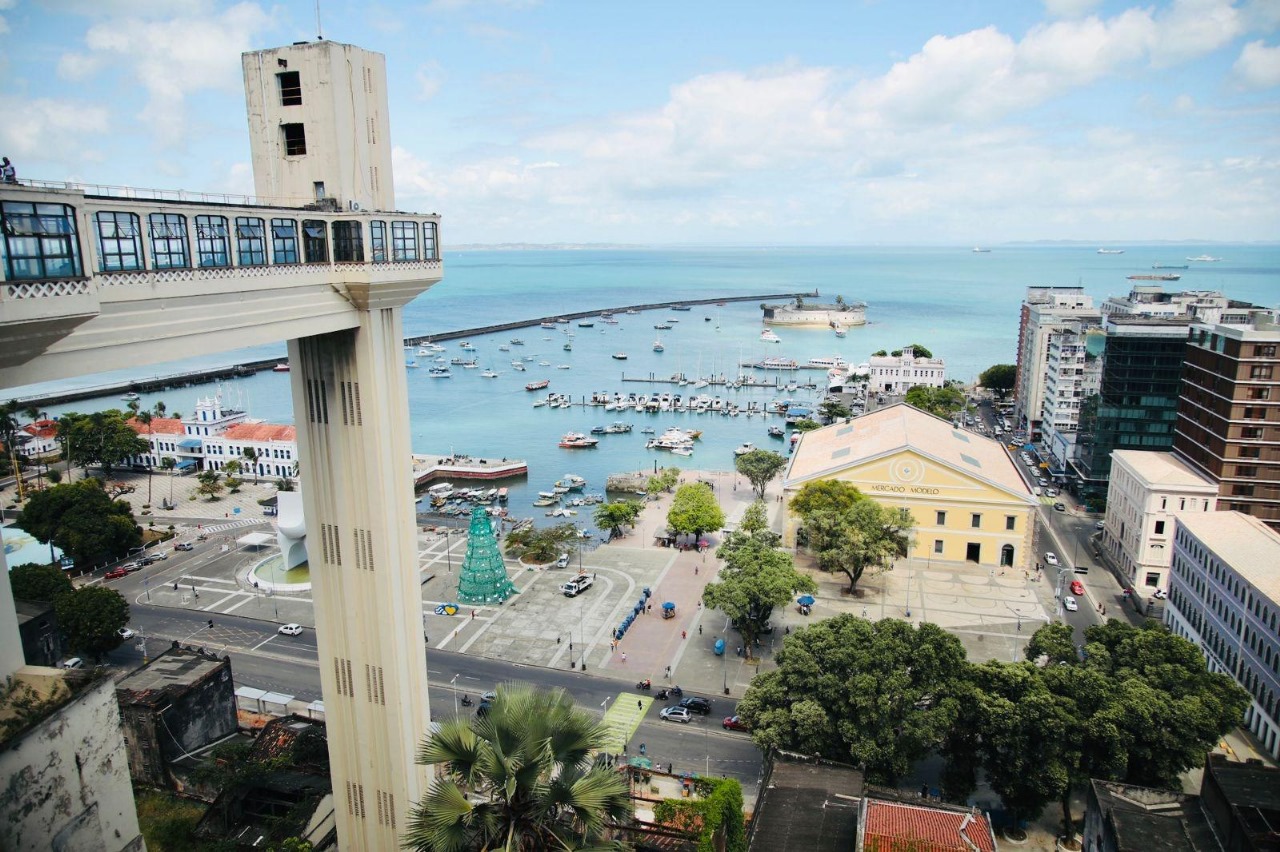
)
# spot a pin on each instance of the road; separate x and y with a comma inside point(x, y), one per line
point(1068, 535)
point(262, 658)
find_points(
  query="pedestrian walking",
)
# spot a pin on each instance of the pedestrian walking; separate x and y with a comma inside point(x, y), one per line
point(695, 570)
point(642, 749)
point(624, 656)
point(684, 634)
point(699, 629)
point(640, 707)
point(668, 672)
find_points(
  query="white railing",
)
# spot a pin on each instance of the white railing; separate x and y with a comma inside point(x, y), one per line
point(147, 194)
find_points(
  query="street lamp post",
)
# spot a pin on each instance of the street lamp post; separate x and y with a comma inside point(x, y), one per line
point(454, 683)
point(908, 588)
point(448, 557)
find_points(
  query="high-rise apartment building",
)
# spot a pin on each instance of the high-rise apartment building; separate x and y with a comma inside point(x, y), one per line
point(1137, 400)
point(1224, 595)
point(1228, 419)
point(1072, 372)
point(1045, 311)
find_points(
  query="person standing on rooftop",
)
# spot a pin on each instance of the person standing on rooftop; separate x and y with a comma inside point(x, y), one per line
point(7, 172)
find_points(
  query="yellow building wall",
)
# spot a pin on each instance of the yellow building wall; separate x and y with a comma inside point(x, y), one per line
point(925, 487)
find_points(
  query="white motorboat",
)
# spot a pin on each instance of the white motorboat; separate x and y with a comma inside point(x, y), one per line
point(744, 448)
point(767, 336)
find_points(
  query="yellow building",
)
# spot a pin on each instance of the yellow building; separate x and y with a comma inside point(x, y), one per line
point(969, 502)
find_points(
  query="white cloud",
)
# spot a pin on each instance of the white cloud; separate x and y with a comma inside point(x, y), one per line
point(1258, 66)
point(79, 66)
point(1193, 28)
point(172, 58)
point(50, 129)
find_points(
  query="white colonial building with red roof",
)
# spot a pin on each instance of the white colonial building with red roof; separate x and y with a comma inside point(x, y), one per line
point(215, 435)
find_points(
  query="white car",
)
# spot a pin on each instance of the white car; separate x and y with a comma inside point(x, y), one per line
point(1070, 603)
point(1050, 557)
point(676, 714)
point(290, 629)
point(125, 633)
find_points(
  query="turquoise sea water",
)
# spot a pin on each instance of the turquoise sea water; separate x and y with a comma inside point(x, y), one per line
point(962, 305)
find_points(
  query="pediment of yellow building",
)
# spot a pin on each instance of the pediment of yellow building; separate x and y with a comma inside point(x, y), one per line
point(910, 475)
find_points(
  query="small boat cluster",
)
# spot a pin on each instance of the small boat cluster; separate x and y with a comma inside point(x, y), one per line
point(446, 499)
point(566, 496)
point(662, 402)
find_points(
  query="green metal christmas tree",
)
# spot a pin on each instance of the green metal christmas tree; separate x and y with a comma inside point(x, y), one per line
point(483, 578)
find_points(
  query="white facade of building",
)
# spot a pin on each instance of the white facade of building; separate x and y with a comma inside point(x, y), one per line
point(1224, 595)
point(275, 449)
point(1044, 311)
point(1151, 300)
point(214, 435)
point(1071, 377)
point(897, 374)
point(319, 131)
point(1146, 492)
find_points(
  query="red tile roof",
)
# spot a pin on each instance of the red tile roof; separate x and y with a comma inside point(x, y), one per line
point(893, 827)
point(42, 429)
point(159, 426)
point(261, 432)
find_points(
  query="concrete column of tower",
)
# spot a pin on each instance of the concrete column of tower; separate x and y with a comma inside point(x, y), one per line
point(350, 401)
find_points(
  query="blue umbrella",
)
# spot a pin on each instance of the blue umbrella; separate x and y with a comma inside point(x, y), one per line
point(668, 605)
point(805, 600)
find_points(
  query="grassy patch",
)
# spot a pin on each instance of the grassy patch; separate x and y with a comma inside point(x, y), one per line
point(168, 823)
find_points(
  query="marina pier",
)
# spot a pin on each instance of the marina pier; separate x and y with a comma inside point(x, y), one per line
point(187, 378)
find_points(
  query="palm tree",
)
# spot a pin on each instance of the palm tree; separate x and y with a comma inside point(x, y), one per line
point(9, 436)
point(35, 415)
point(521, 778)
point(169, 463)
point(159, 409)
point(251, 456)
point(145, 418)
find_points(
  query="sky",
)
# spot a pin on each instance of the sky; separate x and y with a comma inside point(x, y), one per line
point(862, 122)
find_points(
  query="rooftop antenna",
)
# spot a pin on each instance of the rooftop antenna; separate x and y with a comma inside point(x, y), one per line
point(319, 29)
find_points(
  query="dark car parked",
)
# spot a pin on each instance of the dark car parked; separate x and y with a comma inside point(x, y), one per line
point(697, 705)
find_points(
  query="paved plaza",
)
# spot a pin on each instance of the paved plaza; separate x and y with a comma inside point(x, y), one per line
point(992, 612)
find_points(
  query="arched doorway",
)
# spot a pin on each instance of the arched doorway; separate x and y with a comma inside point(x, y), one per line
point(1006, 556)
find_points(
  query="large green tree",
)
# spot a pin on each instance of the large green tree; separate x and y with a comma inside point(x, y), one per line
point(759, 467)
point(848, 689)
point(1178, 707)
point(616, 515)
point(211, 485)
point(848, 532)
point(523, 777)
point(942, 402)
point(999, 378)
point(92, 616)
point(756, 578)
point(1030, 737)
point(39, 582)
point(694, 510)
point(82, 521)
point(103, 438)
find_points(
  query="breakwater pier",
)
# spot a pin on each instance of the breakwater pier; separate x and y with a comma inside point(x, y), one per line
point(186, 378)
